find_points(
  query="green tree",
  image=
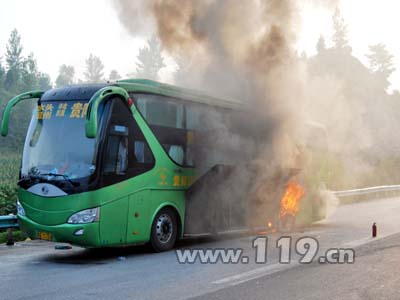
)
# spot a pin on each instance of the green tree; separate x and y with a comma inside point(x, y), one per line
point(29, 74)
point(381, 63)
point(340, 30)
point(65, 76)
point(150, 60)
point(14, 61)
point(21, 75)
point(14, 50)
point(2, 74)
point(44, 81)
point(114, 75)
point(94, 69)
point(18, 74)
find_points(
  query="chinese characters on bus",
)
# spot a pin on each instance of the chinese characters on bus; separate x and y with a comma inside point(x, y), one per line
point(75, 110)
point(183, 181)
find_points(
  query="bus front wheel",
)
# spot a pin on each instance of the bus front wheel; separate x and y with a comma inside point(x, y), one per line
point(164, 230)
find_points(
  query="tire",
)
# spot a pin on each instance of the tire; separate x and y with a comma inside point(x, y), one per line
point(287, 223)
point(164, 230)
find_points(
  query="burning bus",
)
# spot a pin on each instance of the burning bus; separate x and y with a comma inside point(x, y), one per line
point(138, 161)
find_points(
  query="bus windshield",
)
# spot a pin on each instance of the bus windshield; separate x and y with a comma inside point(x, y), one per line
point(56, 145)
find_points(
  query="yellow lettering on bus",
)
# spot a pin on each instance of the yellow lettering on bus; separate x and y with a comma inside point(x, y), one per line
point(163, 178)
point(184, 181)
point(177, 181)
point(84, 110)
point(48, 110)
point(62, 107)
point(76, 110)
point(40, 112)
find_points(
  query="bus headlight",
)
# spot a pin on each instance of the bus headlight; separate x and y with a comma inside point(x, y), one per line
point(85, 216)
point(20, 209)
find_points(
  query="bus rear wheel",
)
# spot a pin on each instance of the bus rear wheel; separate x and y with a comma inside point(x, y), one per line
point(164, 230)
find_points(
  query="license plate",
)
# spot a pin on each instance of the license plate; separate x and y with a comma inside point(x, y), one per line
point(44, 236)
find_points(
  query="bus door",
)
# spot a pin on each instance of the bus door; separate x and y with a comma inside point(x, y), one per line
point(124, 155)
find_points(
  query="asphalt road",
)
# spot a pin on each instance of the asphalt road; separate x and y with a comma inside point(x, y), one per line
point(34, 270)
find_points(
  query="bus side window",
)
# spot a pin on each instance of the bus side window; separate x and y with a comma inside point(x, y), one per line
point(176, 153)
point(193, 113)
point(116, 158)
point(139, 151)
point(161, 111)
point(143, 153)
point(126, 152)
point(166, 119)
point(208, 134)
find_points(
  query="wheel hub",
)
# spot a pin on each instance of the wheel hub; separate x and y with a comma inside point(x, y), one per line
point(164, 228)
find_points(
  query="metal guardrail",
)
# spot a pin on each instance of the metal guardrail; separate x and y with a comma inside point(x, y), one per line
point(9, 221)
point(369, 190)
point(368, 193)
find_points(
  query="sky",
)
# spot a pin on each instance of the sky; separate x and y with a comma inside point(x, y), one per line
point(67, 31)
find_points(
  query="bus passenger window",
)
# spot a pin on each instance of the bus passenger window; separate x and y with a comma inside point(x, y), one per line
point(139, 151)
point(192, 117)
point(116, 155)
point(126, 151)
point(122, 158)
point(161, 111)
point(166, 119)
point(176, 153)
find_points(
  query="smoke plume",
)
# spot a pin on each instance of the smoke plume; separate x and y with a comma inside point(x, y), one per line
point(237, 49)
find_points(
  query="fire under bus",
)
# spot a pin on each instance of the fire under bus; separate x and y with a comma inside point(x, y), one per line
point(135, 162)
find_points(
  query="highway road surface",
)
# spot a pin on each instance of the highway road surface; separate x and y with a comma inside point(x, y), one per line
point(35, 270)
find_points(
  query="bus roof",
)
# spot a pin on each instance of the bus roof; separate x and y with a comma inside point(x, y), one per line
point(72, 92)
point(86, 91)
point(154, 87)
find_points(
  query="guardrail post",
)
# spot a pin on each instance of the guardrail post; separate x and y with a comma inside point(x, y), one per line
point(10, 237)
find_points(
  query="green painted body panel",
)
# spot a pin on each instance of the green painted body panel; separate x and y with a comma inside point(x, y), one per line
point(143, 207)
point(113, 219)
point(127, 209)
point(64, 232)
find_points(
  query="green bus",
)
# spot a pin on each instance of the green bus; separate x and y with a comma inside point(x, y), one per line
point(117, 163)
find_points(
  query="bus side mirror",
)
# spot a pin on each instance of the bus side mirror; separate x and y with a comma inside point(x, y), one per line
point(14, 101)
point(101, 95)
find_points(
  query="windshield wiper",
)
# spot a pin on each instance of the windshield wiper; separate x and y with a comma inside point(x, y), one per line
point(28, 178)
point(41, 177)
point(74, 184)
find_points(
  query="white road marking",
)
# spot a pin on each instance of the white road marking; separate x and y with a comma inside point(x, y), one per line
point(253, 274)
point(277, 267)
point(363, 241)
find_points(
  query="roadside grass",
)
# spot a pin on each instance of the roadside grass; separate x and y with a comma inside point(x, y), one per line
point(18, 236)
point(9, 170)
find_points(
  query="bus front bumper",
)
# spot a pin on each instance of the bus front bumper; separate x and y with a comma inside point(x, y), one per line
point(84, 235)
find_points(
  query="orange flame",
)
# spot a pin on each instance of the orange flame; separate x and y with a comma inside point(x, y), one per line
point(291, 199)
